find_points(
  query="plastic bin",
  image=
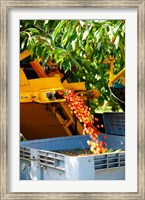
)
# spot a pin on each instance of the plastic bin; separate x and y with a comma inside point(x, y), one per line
point(114, 123)
point(40, 161)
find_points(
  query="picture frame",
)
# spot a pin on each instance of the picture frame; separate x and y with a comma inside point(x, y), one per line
point(4, 170)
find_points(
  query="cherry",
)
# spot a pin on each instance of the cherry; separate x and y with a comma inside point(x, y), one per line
point(82, 113)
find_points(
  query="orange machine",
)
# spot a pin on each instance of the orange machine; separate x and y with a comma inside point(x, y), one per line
point(43, 112)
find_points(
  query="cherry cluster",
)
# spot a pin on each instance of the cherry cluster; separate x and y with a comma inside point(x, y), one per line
point(82, 113)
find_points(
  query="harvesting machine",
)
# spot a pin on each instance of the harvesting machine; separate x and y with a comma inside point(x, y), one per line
point(43, 112)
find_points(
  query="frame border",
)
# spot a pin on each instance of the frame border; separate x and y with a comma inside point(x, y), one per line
point(5, 5)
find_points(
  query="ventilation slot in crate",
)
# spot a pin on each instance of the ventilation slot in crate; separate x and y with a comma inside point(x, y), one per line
point(122, 160)
point(51, 159)
point(100, 162)
point(25, 153)
point(109, 161)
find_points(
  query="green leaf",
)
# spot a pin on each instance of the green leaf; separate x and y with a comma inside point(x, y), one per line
point(58, 28)
point(59, 51)
point(73, 59)
point(85, 34)
point(46, 22)
point(23, 44)
point(44, 51)
point(99, 46)
point(60, 65)
point(110, 150)
point(73, 37)
point(81, 23)
point(65, 37)
point(82, 44)
point(59, 55)
point(70, 41)
point(60, 59)
point(87, 47)
point(45, 59)
point(69, 46)
point(87, 63)
point(33, 30)
point(29, 42)
point(78, 31)
point(75, 44)
point(117, 41)
point(118, 150)
point(23, 34)
point(39, 50)
point(98, 34)
point(67, 65)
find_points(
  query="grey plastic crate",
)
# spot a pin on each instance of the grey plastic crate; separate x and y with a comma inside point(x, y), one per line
point(40, 161)
point(114, 123)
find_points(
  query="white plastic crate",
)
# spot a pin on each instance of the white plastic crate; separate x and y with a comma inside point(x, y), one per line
point(39, 161)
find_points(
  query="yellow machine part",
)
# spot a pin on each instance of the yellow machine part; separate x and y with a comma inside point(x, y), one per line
point(36, 122)
point(120, 75)
point(38, 69)
point(112, 77)
point(38, 118)
point(36, 89)
point(39, 121)
point(38, 115)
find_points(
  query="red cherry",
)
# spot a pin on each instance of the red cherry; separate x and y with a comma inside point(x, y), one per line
point(105, 137)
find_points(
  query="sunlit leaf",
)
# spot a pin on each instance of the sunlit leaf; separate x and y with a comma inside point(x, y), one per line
point(85, 34)
point(117, 41)
point(58, 28)
point(99, 46)
point(45, 59)
point(75, 44)
point(64, 38)
point(23, 44)
point(66, 65)
point(98, 34)
point(81, 23)
point(33, 30)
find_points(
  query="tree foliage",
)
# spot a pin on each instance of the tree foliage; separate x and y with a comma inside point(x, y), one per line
point(80, 46)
